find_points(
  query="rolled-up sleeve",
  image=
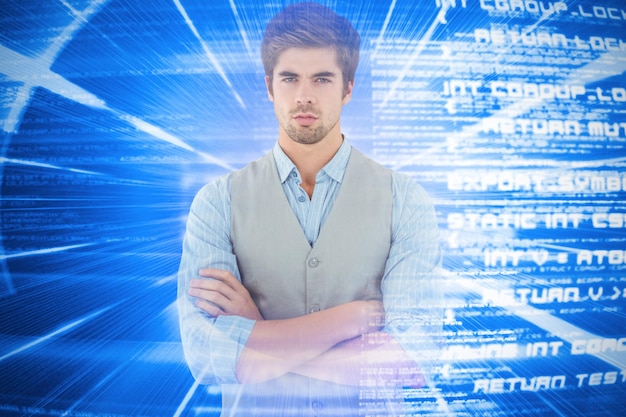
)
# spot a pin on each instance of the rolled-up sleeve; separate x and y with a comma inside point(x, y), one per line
point(212, 345)
point(412, 283)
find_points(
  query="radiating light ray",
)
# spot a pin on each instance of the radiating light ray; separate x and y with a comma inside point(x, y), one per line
point(44, 77)
point(160, 353)
point(609, 66)
point(416, 53)
point(185, 401)
point(216, 64)
point(159, 133)
point(45, 251)
point(22, 98)
point(605, 61)
point(101, 383)
point(133, 249)
point(4, 160)
point(383, 30)
point(67, 34)
point(45, 60)
point(605, 66)
point(242, 30)
point(545, 321)
point(156, 131)
point(61, 330)
point(41, 75)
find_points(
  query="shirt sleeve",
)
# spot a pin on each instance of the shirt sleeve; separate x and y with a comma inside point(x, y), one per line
point(212, 345)
point(412, 283)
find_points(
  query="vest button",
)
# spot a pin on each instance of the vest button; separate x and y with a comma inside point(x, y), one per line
point(314, 262)
point(317, 405)
point(314, 309)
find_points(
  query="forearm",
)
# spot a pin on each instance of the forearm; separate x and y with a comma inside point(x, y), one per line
point(373, 359)
point(276, 347)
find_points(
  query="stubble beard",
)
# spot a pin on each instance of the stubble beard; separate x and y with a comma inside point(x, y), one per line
point(304, 134)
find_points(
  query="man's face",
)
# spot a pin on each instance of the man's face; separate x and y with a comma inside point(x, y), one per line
point(308, 93)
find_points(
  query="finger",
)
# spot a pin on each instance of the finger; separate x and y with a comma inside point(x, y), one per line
point(224, 276)
point(208, 284)
point(215, 297)
point(210, 309)
point(210, 289)
point(214, 285)
point(224, 282)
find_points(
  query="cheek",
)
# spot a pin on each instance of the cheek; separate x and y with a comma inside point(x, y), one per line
point(281, 113)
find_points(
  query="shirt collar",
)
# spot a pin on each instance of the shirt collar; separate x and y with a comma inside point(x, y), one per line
point(335, 168)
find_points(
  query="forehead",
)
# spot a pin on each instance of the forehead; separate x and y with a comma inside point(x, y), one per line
point(307, 60)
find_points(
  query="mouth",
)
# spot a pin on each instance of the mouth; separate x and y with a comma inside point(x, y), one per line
point(305, 119)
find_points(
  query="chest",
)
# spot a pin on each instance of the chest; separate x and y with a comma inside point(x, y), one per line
point(286, 276)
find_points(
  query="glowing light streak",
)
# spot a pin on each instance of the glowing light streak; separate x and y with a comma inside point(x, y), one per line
point(22, 99)
point(546, 321)
point(207, 51)
point(44, 251)
point(580, 76)
point(42, 63)
point(42, 76)
point(183, 404)
point(68, 31)
point(4, 160)
point(416, 54)
point(383, 30)
point(159, 133)
point(604, 67)
point(242, 30)
point(155, 131)
point(61, 330)
point(39, 74)
point(101, 383)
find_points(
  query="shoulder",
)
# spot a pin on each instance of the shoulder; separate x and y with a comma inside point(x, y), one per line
point(407, 188)
point(213, 196)
point(411, 203)
point(217, 193)
point(217, 187)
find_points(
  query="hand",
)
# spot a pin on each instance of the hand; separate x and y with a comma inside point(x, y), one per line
point(223, 295)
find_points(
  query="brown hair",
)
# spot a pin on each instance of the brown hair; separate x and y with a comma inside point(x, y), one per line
point(311, 25)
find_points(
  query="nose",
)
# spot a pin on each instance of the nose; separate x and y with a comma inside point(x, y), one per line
point(304, 95)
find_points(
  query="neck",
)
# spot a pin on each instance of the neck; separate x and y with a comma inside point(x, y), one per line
point(310, 159)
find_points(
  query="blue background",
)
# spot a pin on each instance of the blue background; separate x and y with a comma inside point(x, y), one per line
point(113, 113)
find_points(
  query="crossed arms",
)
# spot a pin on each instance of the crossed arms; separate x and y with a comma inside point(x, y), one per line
point(325, 345)
point(226, 340)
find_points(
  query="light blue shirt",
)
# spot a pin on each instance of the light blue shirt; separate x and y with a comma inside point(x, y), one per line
point(410, 284)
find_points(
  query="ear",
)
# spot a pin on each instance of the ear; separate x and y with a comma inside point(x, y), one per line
point(270, 89)
point(347, 94)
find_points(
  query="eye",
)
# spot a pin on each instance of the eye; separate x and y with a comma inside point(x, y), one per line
point(289, 79)
point(322, 80)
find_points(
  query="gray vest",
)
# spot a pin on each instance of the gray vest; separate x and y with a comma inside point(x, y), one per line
point(287, 277)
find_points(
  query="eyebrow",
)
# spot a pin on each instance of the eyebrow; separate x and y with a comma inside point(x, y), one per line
point(328, 74)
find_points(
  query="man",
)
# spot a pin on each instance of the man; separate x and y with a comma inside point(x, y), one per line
point(290, 265)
